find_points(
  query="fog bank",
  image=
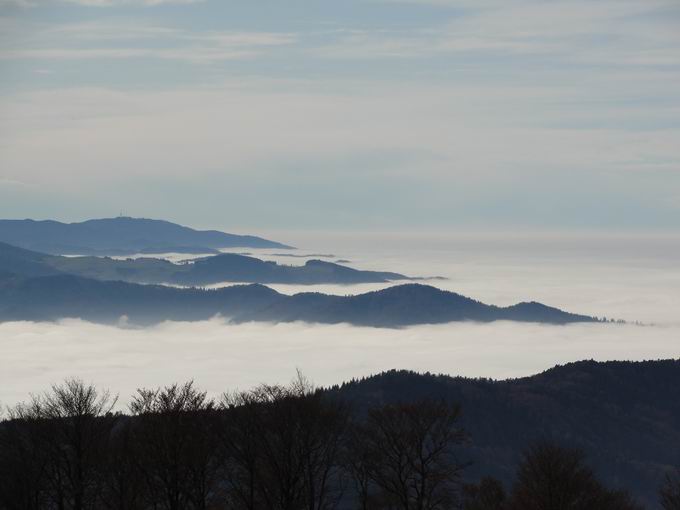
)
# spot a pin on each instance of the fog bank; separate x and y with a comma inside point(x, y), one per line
point(220, 356)
point(631, 277)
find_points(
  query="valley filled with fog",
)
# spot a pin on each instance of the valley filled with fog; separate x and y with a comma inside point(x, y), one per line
point(635, 278)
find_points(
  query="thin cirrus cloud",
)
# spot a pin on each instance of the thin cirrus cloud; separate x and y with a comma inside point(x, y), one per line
point(98, 3)
point(106, 40)
point(113, 3)
point(189, 54)
point(423, 150)
point(608, 32)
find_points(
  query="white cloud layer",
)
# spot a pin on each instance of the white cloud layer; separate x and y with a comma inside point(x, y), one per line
point(622, 277)
point(222, 357)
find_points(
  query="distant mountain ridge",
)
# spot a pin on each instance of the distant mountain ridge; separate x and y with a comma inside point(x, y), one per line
point(121, 236)
point(403, 305)
point(39, 286)
point(59, 296)
point(226, 267)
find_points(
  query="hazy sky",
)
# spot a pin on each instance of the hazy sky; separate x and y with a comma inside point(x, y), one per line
point(244, 114)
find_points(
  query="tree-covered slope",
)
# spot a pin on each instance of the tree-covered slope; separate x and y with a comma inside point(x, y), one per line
point(624, 415)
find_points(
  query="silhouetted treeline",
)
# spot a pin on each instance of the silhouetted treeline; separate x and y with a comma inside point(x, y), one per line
point(272, 448)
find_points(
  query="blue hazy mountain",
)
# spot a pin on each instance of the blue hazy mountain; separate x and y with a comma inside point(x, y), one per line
point(227, 267)
point(59, 296)
point(240, 268)
point(403, 305)
point(121, 236)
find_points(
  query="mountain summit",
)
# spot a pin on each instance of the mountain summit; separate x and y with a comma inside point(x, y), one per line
point(121, 236)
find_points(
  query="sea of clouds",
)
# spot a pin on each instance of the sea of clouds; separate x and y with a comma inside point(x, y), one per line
point(221, 357)
point(631, 278)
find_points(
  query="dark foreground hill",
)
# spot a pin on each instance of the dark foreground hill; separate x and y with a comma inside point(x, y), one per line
point(227, 267)
point(378, 443)
point(60, 296)
point(121, 236)
point(625, 416)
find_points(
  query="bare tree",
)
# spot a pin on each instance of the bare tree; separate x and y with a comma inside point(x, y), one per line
point(60, 441)
point(551, 477)
point(23, 459)
point(359, 463)
point(81, 419)
point(240, 436)
point(670, 491)
point(488, 494)
point(409, 450)
point(323, 429)
point(174, 433)
point(123, 487)
point(284, 444)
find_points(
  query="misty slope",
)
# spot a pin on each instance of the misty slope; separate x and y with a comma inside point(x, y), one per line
point(68, 296)
point(403, 305)
point(62, 295)
point(120, 236)
point(15, 260)
point(240, 268)
point(215, 269)
point(624, 415)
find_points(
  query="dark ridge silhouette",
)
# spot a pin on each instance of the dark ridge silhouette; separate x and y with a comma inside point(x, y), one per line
point(120, 236)
point(229, 267)
point(624, 415)
point(64, 295)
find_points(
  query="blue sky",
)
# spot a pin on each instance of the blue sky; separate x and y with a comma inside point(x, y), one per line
point(359, 114)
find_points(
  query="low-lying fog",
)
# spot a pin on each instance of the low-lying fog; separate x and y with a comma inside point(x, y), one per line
point(630, 277)
point(636, 278)
point(219, 356)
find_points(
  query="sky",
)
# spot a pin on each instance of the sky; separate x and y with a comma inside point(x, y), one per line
point(343, 115)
